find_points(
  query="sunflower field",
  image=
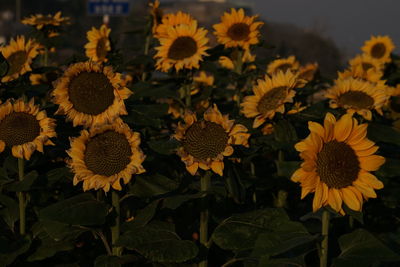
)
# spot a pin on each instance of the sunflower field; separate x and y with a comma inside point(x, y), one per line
point(196, 151)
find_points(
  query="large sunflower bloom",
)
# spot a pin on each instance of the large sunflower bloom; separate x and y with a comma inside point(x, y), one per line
point(283, 64)
point(90, 94)
point(184, 47)
point(270, 96)
point(24, 128)
point(207, 141)
point(173, 20)
point(237, 30)
point(338, 159)
point(356, 95)
point(99, 44)
point(379, 47)
point(40, 21)
point(19, 55)
point(104, 155)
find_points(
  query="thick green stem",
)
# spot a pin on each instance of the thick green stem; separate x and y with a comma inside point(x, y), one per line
point(324, 242)
point(116, 251)
point(146, 52)
point(21, 198)
point(204, 187)
point(188, 96)
point(46, 57)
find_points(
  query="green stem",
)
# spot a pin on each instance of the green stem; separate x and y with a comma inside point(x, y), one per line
point(204, 187)
point(21, 198)
point(105, 243)
point(238, 69)
point(188, 96)
point(116, 251)
point(146, 52)
point(46, 57)
point(324, 242)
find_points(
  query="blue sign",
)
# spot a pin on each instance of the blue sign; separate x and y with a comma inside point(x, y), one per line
point(108, 7)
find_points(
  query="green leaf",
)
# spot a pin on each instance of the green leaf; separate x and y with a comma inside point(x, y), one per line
point(82, 209)
point(383, 133)
point(10, 250)
point(273, 243)
point(164, 147)
point(147, 115)
point(176, 201)
point(287, 168)
point(142, 89)
point(107, 261)
point(61, 231)
point(9, 210)
point(361, 248)
point(241, 232)
point(4, 179)
point(158, 245)
point(266, 261)
point(144, 215)
point(149, 186)
point(25, 184)
point(55, 175)
point(391, 168)
point(284, 132)
point(49, 247)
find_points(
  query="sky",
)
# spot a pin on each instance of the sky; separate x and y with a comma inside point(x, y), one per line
point(348, 22)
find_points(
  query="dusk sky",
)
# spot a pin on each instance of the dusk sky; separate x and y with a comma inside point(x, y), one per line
point(348, 22)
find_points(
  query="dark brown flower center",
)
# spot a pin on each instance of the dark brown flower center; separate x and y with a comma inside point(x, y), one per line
point(284, 67)
point(205, 139)
point(182, 47)
point(239, 31)
point(107, 153)
point(101, 48)
point(395, 103)
point(378, 50)
point(19, 128)
point(366, 66)
point(91, 92)
point(16, 61)
point(337, 164)
point(272, 99)
point(356, 99)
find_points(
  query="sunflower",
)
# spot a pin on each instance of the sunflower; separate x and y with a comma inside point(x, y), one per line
point(207, 141)
point(24, 128)
point(104, 155)
point(40, 21)
point(156, 15)
point(201, 80)
point(99, 44)
point(364, 67)
point(90, 94)
point(308, 71)
point(237, 30)
point(270, 96)
point(173, 20)
point(379, 47)
point(338, 159)
point(19, 55)
point(283, 64)
point(184, 47)
point(356, 95)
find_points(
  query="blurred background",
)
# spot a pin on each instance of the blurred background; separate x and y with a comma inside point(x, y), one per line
point(328, 32)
